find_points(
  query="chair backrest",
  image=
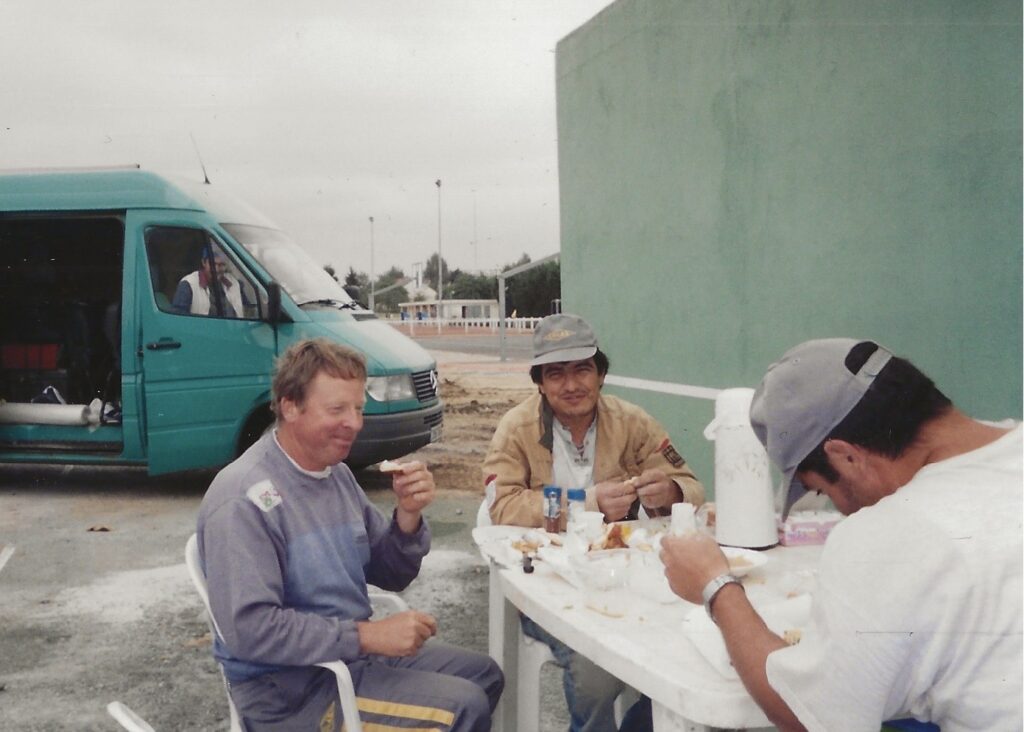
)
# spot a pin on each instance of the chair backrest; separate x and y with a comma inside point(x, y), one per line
point(195, 573)
point(483, 515)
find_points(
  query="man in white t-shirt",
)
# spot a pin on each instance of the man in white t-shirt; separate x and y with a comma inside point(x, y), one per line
point(919, 601)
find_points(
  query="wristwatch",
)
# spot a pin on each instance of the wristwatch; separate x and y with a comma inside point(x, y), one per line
point(712, 588)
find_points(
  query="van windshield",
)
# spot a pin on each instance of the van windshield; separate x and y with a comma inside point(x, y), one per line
point(302, 278)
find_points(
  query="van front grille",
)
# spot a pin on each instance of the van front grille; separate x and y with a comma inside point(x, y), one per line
point(432, 420)
point(426, 385)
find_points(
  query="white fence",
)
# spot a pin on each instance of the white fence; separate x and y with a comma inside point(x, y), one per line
point(467, 325)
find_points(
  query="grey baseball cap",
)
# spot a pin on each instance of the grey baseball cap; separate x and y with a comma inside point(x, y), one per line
point(563, 337)
point(803, 397)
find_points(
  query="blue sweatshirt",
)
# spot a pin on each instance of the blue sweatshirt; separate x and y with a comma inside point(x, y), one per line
point(287, 556)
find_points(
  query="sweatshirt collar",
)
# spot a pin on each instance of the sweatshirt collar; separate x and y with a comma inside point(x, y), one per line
point(318, 474)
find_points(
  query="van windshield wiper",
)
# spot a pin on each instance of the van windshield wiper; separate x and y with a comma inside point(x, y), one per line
point(331, 302)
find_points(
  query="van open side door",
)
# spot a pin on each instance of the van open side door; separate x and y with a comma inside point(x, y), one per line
point(205, 350)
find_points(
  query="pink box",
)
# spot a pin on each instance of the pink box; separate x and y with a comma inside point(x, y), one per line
point(803, 528)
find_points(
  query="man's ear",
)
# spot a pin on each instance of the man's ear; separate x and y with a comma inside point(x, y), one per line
point(841, 451)
point(289, 410)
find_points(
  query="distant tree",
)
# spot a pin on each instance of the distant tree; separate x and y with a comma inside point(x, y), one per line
point(469, 286)
point(530, 293)
point(389, 301)
point(430, 275)
point(360, 281)
point(329, 269)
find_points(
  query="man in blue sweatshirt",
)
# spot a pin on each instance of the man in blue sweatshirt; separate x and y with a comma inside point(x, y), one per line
point(289, 541)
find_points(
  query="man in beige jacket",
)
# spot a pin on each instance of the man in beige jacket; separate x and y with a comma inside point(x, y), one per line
point(572, 436)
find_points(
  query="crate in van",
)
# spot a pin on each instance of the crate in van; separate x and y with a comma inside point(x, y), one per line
point(154, 310)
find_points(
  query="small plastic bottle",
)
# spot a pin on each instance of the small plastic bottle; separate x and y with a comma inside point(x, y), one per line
point(576, 504)
point(552, 508)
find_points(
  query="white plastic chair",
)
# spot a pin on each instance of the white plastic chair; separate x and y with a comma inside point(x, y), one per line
point(6, 552)
point(346, 691)
point(127, 718)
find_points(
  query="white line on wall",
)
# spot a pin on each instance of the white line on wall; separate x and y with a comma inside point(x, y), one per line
point(663, 387)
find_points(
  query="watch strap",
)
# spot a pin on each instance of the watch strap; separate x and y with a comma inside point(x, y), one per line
point(713, 587)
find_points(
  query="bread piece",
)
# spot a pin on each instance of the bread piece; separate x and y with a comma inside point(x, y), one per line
point(390, 466)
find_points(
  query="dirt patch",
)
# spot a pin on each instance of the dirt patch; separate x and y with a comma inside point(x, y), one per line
point(475, 395)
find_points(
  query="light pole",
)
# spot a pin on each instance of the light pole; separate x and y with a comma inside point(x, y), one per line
point(476, 263)
point(372, 276)
point(440, 272)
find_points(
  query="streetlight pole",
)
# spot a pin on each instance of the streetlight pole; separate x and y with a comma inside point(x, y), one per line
point(440, 272)
point(372, 275)
point(476, 262)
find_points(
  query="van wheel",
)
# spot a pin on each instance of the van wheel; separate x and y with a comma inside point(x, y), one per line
point(259, 422)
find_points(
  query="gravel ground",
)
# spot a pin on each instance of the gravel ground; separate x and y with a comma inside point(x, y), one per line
point(96, 606)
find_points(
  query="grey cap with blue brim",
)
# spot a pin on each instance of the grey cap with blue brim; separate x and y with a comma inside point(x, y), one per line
point(803, 397)
point(563, 337)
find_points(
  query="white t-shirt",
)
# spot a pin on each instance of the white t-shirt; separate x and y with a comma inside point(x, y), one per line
point(572, 467)
point(919, 604)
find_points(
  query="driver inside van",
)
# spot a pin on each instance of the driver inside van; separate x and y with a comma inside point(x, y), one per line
point(201, 293)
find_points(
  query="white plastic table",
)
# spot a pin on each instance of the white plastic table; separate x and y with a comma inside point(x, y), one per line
point(645, 647)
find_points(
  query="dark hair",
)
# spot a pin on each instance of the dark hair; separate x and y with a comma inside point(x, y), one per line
point(600, 361)
point(889, 416)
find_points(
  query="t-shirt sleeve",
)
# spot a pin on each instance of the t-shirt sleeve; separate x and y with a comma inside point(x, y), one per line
point(860, 661)
point(839, 676)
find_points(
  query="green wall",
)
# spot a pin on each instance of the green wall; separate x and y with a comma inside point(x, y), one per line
point(737, 177)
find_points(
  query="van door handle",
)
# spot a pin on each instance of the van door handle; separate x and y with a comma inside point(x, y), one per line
point(163, 344)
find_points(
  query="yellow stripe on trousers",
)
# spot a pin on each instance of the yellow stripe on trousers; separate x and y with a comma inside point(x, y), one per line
point(405, 711)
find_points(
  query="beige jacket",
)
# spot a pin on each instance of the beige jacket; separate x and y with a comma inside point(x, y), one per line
point(629, 441)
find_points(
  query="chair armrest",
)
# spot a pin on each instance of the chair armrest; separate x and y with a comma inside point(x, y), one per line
point(346, 694)
point(388, 603)
point(127, 718)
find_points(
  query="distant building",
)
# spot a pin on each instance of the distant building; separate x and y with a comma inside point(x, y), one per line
point(450, 309)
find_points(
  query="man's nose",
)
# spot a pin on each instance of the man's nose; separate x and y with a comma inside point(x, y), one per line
point(352, 419)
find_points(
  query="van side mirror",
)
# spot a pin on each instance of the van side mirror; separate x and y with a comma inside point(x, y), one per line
point(273, 302)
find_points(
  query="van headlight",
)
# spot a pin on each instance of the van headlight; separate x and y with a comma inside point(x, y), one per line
point(390, 388)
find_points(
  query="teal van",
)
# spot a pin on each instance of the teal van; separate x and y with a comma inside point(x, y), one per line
point(111, 354)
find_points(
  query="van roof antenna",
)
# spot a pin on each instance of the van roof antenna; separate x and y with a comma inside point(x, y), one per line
point(206, 178)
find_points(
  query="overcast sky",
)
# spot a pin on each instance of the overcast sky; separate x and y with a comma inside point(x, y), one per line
point(320, 114)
